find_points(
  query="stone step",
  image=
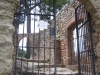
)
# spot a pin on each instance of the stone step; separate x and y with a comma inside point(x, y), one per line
point(72, 67)
point(37, 65)
point(61, 69)
point(59, 72)
point(50, 66)
point(30, 73)
point(31, 60)
point(51, 71)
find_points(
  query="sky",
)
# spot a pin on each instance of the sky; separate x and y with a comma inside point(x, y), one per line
point(38, 25)
point(81, 38)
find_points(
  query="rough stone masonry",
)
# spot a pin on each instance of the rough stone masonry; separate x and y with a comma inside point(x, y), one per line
point(7, 10)
point(93, 6)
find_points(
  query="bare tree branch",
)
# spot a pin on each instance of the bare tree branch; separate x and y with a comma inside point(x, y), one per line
point(27, 5)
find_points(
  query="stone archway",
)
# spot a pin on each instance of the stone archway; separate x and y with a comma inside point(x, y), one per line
point(93, 6)
point(32, 43)
point(64, 17)
point(21, 36)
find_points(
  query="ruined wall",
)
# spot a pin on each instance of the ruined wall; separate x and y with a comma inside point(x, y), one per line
point(41, 45)
point(7, 10)
point(46, 44)
point(65, 19)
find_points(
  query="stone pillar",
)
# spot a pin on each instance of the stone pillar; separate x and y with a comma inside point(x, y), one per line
point(7, 10)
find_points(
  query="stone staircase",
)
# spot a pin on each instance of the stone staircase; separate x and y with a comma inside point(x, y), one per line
point(42, 67)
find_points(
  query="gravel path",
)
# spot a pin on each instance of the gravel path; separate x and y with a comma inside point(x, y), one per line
point(45, 70)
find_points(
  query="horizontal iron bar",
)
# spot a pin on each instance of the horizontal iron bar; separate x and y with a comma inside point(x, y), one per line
point(35, 14)
point(32, 60)
point(83, 24)
point(83, 51)
point(33, 47)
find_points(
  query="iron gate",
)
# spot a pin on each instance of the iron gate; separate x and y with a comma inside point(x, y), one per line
point(35, 38)
point(85, 51)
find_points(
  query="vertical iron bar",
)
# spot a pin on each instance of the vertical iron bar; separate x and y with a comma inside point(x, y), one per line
point(54, 8)
point(49, 6)
point(33, 47)
point(91, 44)
point(49, 48)
point(28, 31)
point(89, 49)
point(80, 42)
point(79, 67)
point(44, 49)
point(38, 51)
point(49, 54)
point(33, 52)
point(33, 55)
point(15, 68)
point(27, 54)
point(87, 45)
point(84, 19)
point(86, 63)
point(22, 48)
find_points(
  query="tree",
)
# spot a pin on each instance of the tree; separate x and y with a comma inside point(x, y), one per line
point(21, 53)
point(45, 6)
point(59, 3)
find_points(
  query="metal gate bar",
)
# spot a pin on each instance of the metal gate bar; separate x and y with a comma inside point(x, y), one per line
point(91, 43)
point(36, 54)
point(86, 65)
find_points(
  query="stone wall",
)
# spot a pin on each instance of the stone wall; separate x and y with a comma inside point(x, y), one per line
point(7, 10)
point(46, 42)
point(65, 19)
point(41, 45)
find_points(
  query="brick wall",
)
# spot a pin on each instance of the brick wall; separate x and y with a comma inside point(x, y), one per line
point(65, 20)
point(43, 39)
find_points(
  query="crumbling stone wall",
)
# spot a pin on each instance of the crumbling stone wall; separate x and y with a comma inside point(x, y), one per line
point(46, 44)
point(65, 19)
point(7, 10)
point(41, 45)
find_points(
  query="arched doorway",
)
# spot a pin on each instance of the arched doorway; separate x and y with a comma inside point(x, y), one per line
point(85, 49)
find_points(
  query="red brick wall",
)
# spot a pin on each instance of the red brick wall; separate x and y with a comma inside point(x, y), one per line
point(65, 20)
point(66, 43)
